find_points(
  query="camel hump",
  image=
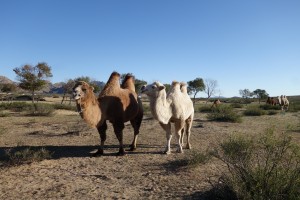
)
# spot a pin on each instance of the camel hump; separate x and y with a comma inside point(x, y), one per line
point(183, 87)
point(174, 83)
point(128, 82)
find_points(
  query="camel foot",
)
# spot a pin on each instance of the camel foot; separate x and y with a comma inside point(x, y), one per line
point(188, 146)
point(99, 152)
point(167, 152)
point(132, 148)
point(121, 153)
point(179, 150)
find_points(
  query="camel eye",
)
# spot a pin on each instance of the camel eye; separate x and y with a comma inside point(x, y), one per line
point(84, 89)
point(153, 86)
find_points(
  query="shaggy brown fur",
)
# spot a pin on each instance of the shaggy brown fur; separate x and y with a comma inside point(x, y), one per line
point(117, 104)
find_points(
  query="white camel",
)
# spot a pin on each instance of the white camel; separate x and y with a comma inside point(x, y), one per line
point(176, 107)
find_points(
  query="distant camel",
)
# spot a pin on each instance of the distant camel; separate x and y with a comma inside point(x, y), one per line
point(271, 101)
point(176, 107)
point(117, 104)
point(216, 103)
point(284, 102)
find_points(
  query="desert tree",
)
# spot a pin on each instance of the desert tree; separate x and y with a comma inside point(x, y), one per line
point(67, 89)
point(260, 94)
point(210, 88)
point(195, 86)
point(33, 78)
point(246, 94)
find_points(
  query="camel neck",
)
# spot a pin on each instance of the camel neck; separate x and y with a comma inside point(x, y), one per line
point(90, 111)
point(160, 108)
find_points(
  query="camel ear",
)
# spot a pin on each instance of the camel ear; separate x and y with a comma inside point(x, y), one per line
point(161, 87)
point(92, 88)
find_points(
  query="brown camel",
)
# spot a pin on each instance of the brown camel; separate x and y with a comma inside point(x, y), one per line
point(117, 104)
point(216, 103)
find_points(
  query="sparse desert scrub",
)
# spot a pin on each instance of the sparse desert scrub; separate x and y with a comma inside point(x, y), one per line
point(224, 113)
point(266, 167)
point(254, 111)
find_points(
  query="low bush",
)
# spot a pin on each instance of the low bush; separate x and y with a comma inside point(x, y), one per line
point(64, 107)
point(267, 167)
point(236, 105)
point(254, 111)
point(40, 109)
point(224, 113)
point(270, 107)
point(205, 109)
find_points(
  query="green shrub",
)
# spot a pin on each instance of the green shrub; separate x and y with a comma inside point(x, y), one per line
point(224, 113)
point(267, 167)
point(40, 109)
point(236, 105)
point(254, 111)
point(205, 109)
point(270, 107)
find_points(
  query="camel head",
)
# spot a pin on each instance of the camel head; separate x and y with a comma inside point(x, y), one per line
point(82, 91)
point(152, 90)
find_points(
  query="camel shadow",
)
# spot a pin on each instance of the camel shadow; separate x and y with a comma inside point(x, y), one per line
point(58, 152)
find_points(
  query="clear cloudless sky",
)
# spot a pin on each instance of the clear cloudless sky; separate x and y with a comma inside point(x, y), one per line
point(243, 44)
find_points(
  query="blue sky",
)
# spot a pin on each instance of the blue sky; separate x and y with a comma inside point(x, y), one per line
point(243, 44)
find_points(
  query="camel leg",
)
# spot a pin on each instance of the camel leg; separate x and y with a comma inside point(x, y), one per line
point(188, 125)
point(179, 125)
point(136, 124)
point(182, 136)
point(118, 128)
point(102, 132)
point(167, 128)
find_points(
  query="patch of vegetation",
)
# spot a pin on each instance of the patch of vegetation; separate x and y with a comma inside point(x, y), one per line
point(15, 106)
point(236, 105)
point(25, 156)
point(40, 109)
point(267, 167)
point(192, 159)
point(64, 107)
point(224, 113)
point(270, 107)
point(196, 158)
point(254, 111)
point(4, 114)
point(205, 109)
point(294, 106)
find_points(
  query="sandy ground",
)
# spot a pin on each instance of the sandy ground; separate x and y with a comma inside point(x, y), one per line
point(144, 174)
